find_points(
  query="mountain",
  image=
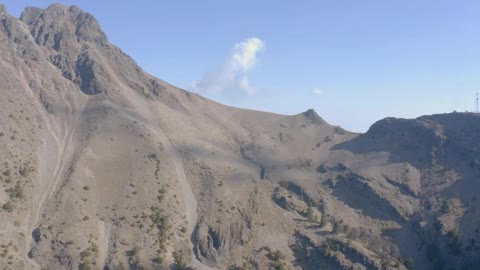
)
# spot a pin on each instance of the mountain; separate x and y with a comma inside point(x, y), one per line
point(103, 166)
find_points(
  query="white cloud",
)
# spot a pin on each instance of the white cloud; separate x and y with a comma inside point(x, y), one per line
point(233, 74)
point(317, 91)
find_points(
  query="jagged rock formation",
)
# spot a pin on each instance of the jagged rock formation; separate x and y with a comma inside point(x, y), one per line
point(103, 166)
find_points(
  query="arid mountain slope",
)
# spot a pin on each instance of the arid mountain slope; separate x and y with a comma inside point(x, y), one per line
point(106, 167)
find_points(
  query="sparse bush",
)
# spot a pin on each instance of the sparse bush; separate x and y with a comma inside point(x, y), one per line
point(158, 259)
point(276, 258)
point(8, 206)
point(447, 206)
point(337, 227)
point(23, 171)
point(328, 139)
point(179, 260)
point(94, 248)
point(266, 248)
point(85, 255)
point(133, 252)
point(161, 223)
point(84, 266)
point(331, 246)
point(310, 215)
point(15, 192)
point(159, 219)
point(86, 188)
point(277, 255)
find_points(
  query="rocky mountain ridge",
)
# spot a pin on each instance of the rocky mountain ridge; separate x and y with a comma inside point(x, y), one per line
point(104, 166)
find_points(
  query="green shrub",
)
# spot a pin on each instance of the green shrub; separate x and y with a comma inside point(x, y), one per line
point(133, 252)
point(158, 259)
point(337, 227)
point(179, 260)
point(8, 206)
point(159, 220)
point(266, 248)
point(276, 258)
point(85, 255)
point(84, 266)
point(447, 206)
point(15, 192)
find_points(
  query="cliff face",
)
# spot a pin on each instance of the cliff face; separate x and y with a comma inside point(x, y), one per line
point(103, 166)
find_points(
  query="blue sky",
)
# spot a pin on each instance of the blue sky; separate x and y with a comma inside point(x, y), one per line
point(354, 62)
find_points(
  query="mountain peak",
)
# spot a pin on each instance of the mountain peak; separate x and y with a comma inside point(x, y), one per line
point(3, 10)
point(313, 117)
point(58, 22)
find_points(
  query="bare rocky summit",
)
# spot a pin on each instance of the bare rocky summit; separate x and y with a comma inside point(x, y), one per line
point(103, 166)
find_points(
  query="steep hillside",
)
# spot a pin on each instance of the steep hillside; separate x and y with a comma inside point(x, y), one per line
point(103, 166)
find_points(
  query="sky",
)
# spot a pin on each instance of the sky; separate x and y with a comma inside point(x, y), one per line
point(354, 62)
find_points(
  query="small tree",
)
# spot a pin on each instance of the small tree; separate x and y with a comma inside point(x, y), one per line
point(179, 260)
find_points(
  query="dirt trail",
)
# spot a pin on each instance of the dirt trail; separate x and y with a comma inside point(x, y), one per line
point(103, 237)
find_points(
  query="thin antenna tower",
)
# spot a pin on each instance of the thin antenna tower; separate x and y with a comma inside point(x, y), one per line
point(476, 104)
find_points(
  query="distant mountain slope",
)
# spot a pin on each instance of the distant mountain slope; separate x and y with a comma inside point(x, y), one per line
point(104, 166)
